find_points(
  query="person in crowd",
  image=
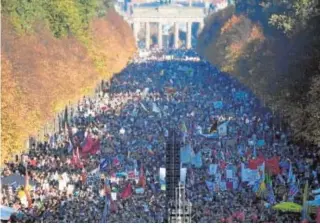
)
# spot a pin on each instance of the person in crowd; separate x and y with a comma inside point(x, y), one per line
point(114, 147)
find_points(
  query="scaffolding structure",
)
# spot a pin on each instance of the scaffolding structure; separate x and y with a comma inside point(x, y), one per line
point(180, 210)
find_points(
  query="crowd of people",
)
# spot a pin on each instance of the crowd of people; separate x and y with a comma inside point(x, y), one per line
point(114, 145)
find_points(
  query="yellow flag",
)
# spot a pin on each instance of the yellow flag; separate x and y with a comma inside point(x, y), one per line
point(262, 188)
point(21, 194)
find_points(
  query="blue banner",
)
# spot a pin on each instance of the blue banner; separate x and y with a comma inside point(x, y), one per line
point(218, 104)
point(186, 154)
point(103, 163)
point(261, 143)
point(210, 185)
point(139, 190)
point(240, 95)
point(197, 160)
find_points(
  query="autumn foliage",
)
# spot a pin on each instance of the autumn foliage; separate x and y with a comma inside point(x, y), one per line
point(282, 68)
point(41, 73)
point(231, 22)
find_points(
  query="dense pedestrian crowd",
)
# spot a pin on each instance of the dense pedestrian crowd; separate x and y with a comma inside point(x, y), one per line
point(113, 147)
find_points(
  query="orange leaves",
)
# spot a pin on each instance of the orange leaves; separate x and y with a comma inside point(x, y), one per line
point(41, 74)
point(230, 23)
point(236, 47)
point(256, 33)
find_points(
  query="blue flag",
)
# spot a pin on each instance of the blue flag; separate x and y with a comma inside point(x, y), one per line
point(186, 154)
point(103, 163)
point(218, 104)
point(197, 160)
point(240, 95)
point(261, 143)
point(210, 185)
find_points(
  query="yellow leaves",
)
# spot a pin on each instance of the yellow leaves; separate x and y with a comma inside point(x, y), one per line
point(42, 74)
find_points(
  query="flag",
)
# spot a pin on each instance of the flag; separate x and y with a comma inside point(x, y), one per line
point(131, 174)
point(293, 191)
point(91, 145)
point(213, 169)
point(139, 190)
point(270, 196)
point(254, 163)
point(127, 192)
point(223, 129)
point(103, 163)
point(260, 143)
point(272, 165)
point(290, 174)
point(186, 154)
point(183, 175)
point(240, 95)
point(162, 177)
point(116, 161)
point(210, 185)
point(256, 186)
point(142, 178)
point(217, 105)
point(197, 160)
point(222, 164)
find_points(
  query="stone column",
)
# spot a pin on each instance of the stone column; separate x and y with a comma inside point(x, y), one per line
point(189, 35)
point(147, 35)
point(176, 35)
point(135, 28)
point(160, 42)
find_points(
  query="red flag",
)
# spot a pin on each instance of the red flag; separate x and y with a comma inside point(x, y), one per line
point(142, 178)
point(131, 174)
point(222, 164)
point(254, 163)
point(127, 192)
point(91, 146)
point(272, 165)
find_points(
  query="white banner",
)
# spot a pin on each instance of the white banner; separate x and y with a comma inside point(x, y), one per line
point(213, 169)
point(114, 196)
point(183, 175)
point(229, 173)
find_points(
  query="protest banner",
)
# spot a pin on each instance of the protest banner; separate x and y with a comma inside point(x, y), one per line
point(162, 177)
point(218, 104)
point(213, 169)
